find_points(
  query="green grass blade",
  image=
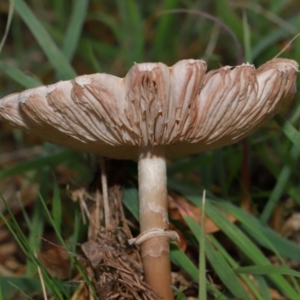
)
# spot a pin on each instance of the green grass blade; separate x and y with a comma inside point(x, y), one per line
point(53, 284)
point(53, 53)
point(219, 264)
point(265, 236)
point(289, 130)
point(56, 205)
point(248, 248)
point(263, 288)
point(14, 227)
point(60, 236)
point(59, 11)
point(262, 234)
point(109, 21)
point(8, 22)
point(186, 165)
point(50, 219)
point(36, 230)
point(78, 15)
point(244, 244)
point(266, 270)
point(222, 175)
point(182, 260)
point(277, 5)
point(266, 42)
point(131, 201)
point(247, 38)
point(251, 284)
point(164, 32)
point(132, 37)
point(230, 18)
point(202, 262)
point(90, 56)
point(37, 163)
point(297, 42)
point(20, 77)
point(282, 181)
point(225, 273)
point(17, 34)
point(79, 228)
point(24, 284)
point(179, 294)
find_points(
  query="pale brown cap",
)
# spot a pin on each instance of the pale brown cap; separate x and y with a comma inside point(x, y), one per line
point(181, 107)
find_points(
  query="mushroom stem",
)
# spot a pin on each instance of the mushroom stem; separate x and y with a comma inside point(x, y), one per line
point(154, 220)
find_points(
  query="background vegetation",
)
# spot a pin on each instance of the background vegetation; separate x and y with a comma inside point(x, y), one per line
point(254, 250)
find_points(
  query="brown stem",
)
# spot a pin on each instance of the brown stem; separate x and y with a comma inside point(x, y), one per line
point(154, 216)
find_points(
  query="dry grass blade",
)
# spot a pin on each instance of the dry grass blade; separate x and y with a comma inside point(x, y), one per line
point(287, 45)
point(104, 192)
point(42, 280)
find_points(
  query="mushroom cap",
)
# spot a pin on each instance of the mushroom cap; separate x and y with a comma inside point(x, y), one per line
point(181, 107)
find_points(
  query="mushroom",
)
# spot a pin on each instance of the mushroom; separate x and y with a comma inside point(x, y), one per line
point(153, 113)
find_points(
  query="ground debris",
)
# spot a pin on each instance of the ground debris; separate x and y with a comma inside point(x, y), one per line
point(115, 271)
point(113, 267)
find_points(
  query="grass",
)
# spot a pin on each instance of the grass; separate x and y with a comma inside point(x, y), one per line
point(55, 40)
